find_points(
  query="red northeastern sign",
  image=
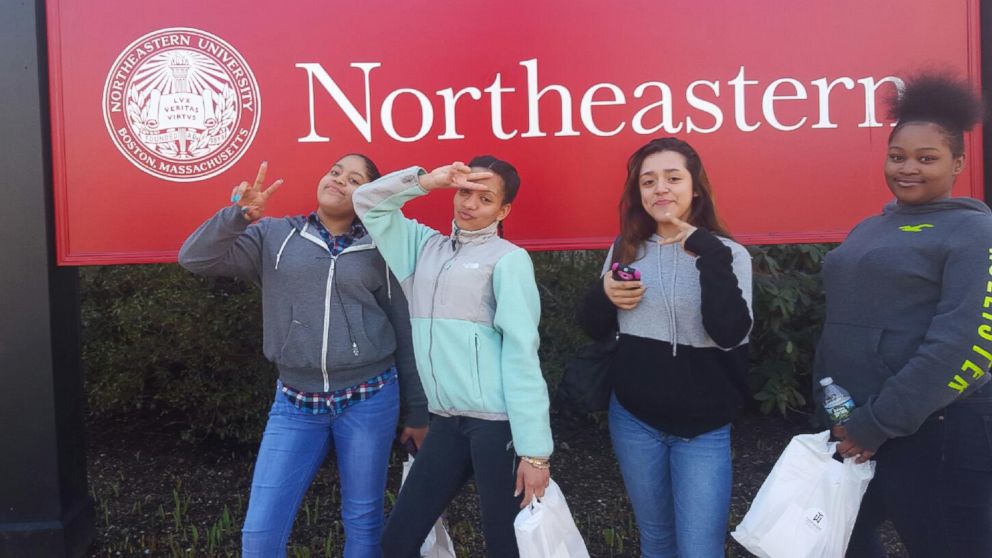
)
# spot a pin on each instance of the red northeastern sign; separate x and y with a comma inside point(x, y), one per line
point(157, 113)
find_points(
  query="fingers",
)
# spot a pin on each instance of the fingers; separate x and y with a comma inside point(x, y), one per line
point(271, 189)
point(528, 498)
point(612, 284)
point(669, 218)
point(839, 431)
point(455, 175)
point(535, 482)
point(472, 176)
point(627, 294)
point(623, 291)
point(847, 448)
point(520, 480)
point(865, 456)
point(627, 303)
point(260, 177)
point(416, 435)
point(844, 448)
point(238, 191)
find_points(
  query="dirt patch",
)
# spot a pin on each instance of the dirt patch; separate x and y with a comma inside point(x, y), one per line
point(158, 495)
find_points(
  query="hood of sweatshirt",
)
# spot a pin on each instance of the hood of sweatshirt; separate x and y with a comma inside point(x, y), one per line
point(946, 204)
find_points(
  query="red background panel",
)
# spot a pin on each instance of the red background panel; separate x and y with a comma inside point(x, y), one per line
point(809, 184)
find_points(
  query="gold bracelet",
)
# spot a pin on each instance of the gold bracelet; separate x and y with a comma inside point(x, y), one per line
point(537, 462)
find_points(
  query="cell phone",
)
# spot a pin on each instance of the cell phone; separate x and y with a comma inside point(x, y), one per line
point(410, 447)
point(625, 272)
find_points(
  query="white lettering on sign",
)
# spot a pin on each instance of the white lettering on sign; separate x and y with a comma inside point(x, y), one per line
point(652, 105)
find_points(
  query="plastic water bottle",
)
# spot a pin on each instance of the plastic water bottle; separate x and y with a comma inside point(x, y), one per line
point(837, 401)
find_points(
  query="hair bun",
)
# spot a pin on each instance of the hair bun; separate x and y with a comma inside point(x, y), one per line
point(938, 98)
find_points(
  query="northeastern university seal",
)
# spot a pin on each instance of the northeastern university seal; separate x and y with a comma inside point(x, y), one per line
point(181, 104)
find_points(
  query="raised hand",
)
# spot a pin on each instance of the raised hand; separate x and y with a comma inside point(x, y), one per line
point(685, 230)
point(251, 198)
point(455, 175)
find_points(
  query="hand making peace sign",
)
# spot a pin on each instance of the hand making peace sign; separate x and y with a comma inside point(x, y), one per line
point(251, 198)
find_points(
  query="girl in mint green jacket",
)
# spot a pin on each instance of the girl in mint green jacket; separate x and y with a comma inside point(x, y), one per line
point(474, 310)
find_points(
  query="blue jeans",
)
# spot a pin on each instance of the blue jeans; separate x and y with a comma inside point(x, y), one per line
point(294, 446)
point(679, 488)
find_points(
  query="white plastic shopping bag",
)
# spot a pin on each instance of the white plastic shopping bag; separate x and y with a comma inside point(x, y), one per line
point(438, 543)
point(545, 528)
point(807, 506)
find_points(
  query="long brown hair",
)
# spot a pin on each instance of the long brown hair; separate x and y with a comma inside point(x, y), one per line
point(636, 225)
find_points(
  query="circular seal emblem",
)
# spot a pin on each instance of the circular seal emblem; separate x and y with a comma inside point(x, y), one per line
point(181, 104)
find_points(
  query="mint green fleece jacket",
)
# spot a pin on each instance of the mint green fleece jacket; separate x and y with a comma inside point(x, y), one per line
point(474, 311)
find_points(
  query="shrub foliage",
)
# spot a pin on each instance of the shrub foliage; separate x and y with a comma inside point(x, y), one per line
point(160, 340)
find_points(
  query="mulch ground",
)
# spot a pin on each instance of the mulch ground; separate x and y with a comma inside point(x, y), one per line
point(158, 495)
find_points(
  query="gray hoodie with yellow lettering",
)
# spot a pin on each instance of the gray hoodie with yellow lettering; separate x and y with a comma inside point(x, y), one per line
point(908, 328)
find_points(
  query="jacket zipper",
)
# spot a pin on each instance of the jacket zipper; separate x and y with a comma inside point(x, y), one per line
point(328, 290)
point(327, 324)
point(430, 336)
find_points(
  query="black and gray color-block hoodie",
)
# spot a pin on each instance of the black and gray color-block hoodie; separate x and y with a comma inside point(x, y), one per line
point(681, 356)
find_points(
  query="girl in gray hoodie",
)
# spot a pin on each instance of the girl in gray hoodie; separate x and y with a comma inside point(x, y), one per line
point(908, 332)
point(336, 325)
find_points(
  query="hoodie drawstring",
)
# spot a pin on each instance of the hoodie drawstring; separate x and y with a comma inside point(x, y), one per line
point(670, 301)
point(389, 285)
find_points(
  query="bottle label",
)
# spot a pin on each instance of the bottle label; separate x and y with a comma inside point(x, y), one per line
point(840, 413)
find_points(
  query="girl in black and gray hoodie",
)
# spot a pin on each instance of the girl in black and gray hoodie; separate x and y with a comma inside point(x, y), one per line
point(681, 356)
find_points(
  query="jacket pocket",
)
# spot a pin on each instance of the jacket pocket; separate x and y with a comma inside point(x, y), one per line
point(301, 347)
point(348, 341)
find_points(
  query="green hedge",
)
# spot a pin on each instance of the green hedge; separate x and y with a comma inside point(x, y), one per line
point(159, 340)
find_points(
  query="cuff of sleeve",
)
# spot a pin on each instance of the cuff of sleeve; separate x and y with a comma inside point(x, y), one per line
point(235, 217)
point(863, 429)
point(416, 178)
point(416, 418)
point(538, 452)
point(702, 242)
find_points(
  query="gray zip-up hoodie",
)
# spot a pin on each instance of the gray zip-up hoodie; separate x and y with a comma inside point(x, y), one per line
point(328, 322)
point(908, 328)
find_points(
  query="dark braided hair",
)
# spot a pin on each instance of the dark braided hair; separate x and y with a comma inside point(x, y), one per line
point(502, 169)
point(939, 99)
